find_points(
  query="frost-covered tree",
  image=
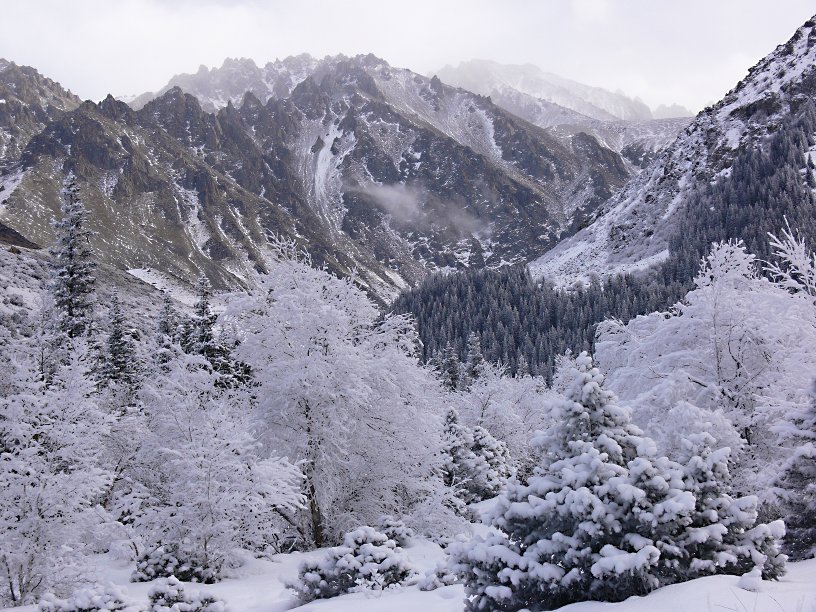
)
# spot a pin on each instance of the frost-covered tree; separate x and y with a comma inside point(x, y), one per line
point(795, 265)
point(340, 389)
point(510, 409)
point(210, 487)
point(73, 267)
point(601, 518)
point(50, 478)
point(732, 359)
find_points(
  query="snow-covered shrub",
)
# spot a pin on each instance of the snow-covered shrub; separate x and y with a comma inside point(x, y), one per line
point(366, 560)
point(170, 596)
point(168, 561)
point(440, 576)
point(440, 516)
point(96, 598)
point(395, 529)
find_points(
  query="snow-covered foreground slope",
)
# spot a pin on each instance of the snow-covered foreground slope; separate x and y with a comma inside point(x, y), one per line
point(259, 586)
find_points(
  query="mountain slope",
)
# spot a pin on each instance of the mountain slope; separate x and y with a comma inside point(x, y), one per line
point(371, 168)
point(491, 78)
point(567, 108)
point(635, 227)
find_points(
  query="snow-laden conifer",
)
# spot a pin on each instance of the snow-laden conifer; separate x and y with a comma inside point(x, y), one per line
point(796, 486)
point(450, 369)
point(120, 366)
point(73, 264)
point(602, 517)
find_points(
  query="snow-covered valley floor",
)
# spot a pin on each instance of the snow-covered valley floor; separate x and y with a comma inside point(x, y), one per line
point(259, 586)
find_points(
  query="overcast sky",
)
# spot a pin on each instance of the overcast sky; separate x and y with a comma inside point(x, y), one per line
point(685, 51)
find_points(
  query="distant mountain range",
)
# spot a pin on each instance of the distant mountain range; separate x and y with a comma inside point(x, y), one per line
point(376, 171)
point(373, 169)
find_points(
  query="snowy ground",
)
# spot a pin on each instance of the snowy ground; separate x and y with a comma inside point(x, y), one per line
point(259, 586)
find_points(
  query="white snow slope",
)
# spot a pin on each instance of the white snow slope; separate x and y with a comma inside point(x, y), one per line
point(259, 586)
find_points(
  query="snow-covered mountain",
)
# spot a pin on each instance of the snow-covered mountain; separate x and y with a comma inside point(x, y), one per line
point(491, 78)
point(215, 87)
point(633, 229)
point(372, 168)
point(567, 108)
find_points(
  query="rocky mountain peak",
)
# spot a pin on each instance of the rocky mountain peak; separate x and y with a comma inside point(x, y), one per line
point(116, 110)
point(28, 101)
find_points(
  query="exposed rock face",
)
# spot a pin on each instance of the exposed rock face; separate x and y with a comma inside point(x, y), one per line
point(15, 239)
point(28, 101)
point(374, 170)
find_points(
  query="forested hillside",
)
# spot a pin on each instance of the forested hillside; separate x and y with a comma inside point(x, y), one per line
point(517, 318)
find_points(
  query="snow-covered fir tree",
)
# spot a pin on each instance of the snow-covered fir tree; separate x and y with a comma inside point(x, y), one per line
point(497, 458)
point(120, 364)
point(475, 361)
point(73, 266)
point(475, 464)
point(601, 518)
point(461, 465)
point(796, 487)
point(200, 337)
point(168, 332)
point(450, 369)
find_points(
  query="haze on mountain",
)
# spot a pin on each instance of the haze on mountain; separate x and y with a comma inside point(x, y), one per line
point(686, 53)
